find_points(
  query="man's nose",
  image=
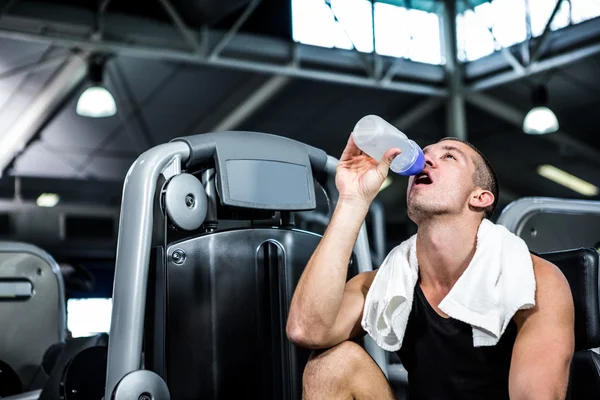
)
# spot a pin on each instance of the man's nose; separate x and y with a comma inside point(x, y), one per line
point(429, 160)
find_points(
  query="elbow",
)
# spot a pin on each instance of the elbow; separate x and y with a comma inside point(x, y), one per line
point(303, 337)
point(297, 334)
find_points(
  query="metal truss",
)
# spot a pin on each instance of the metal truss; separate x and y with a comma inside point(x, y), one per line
point(452, 83)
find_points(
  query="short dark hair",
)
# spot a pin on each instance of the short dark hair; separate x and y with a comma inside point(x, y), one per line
point(484, 175)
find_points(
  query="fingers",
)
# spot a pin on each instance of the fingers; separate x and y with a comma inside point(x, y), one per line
point(351, 150)
point(387, 159)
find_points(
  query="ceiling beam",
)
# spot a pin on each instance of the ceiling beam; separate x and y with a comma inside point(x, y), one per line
point(245, 52)
point(43, 107)
point(515, 116)
point(417, 113)
point(546, 64)
point(456, 118)
point(252, 104)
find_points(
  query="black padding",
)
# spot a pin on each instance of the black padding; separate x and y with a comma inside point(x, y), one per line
point(10, 384)
point(226, 312)
point(51, 357)
point(580, 267)
point(584, 382)
point(85, 375)
point(54, 389)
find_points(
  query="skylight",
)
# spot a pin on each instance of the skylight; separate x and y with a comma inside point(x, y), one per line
point(415, 33)
point(507, 19)
point(348, 24)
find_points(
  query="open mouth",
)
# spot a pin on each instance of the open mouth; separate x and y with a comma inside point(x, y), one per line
point(422, 179)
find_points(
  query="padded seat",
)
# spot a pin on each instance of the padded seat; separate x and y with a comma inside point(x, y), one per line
point(580, 267)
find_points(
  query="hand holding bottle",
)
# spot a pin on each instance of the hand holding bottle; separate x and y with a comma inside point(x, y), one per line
point(359, 176)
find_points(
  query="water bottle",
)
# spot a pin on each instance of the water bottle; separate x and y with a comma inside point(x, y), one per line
point(375, 136)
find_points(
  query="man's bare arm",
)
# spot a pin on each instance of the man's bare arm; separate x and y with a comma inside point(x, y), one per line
point(326, 310)
point(545, 341)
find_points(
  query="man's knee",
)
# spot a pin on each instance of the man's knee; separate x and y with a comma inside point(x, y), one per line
point(335, 365)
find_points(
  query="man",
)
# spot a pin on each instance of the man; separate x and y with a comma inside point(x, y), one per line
point(531, 360)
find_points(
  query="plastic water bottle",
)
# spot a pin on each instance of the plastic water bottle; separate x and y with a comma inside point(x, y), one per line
point(375, 136)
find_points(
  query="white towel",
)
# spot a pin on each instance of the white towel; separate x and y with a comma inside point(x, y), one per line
point(498, 282)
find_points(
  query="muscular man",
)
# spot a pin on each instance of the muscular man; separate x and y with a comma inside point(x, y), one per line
point(531, 360)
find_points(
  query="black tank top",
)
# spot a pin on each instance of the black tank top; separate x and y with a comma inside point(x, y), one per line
point(442, 363)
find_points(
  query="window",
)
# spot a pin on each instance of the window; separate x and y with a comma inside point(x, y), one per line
point(540, 12)
point(489, 27)
point(348, 24)
point(582, 10)
point(87, 317)
point(507, 19)
point(407, 33)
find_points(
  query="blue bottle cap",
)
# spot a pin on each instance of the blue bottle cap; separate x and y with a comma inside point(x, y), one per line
point(417, 166)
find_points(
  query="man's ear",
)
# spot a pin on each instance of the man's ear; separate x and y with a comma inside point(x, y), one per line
point(481, 199)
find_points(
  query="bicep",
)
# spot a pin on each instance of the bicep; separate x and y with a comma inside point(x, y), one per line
point(544, 346)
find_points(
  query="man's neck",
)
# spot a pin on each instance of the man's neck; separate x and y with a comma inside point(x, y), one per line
point(445, 247)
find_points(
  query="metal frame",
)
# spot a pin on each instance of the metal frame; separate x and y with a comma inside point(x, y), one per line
point(515, 215)
point(133, 254)
point(69, 27)
point(217, 48)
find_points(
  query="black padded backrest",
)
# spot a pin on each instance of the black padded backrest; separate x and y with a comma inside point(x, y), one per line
point(580, 267)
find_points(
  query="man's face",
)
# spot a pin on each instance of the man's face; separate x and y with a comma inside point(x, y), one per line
point(445, 184)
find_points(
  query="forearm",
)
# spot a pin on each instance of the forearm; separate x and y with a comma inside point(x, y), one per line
point(319, 293)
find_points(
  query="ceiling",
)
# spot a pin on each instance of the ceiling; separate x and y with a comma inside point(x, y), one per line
point(160, 98)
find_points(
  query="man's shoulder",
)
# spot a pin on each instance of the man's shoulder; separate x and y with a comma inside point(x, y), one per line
point(553, 292)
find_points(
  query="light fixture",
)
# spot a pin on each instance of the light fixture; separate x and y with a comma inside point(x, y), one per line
point(96, 101)
point(47, 200)
point(567, 180)
point(540, 119)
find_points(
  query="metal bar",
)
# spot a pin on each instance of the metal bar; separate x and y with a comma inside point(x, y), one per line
point(515, 117)
point(249, 106)
point(537, 67)
point(377, 213)
point(389, 75)
point(543, 40)
point(34, 67)
point(417, 113)
point(518, 213)
point(456, 124)
point(234, 29)
point(43, 107)
point(512, 60)
point(133, 256)
point(99, 27)
point(157, 53)
point(187, 34)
